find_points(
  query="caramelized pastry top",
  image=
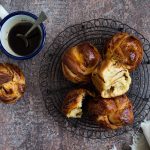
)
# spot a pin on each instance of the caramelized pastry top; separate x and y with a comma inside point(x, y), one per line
point(111, 113)
point(126, 49)
point(79, 61)
point(12, 83)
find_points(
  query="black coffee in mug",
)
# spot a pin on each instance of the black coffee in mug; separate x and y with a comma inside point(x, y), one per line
point(18, 45)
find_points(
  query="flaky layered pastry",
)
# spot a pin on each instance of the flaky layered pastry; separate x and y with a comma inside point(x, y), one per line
point(79, 62)
point(72, 105)
point(111, 79)
point(111, 113)
point(126, 49)
point(12, 83)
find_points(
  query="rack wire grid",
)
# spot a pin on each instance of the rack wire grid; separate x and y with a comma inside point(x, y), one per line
point(54, 86)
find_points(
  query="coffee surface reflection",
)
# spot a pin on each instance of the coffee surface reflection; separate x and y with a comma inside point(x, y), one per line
point(18, 45)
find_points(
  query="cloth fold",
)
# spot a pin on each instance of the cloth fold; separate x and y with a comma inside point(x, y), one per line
point(141, 141)
point(146, 130)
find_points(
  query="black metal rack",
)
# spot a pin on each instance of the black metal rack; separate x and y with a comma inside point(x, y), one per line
point(54, 86)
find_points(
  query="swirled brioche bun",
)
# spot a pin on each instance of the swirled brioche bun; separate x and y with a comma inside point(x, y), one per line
point(72, 104)
point(78, 62)
point(126, 49)
point(111, 79)
point(111, 113)
point(12, 83)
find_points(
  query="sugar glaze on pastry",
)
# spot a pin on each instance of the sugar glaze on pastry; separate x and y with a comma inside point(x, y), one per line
point(78, 62)
point(12, 83)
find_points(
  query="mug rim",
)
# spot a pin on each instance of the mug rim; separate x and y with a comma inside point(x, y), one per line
point(42, 40)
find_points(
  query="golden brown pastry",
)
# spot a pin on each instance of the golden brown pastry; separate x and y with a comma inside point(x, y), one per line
point(12, 83)
point(79, 62)
point(111, 79)
point(111, 113)
point(126, 49)
point(72, 105)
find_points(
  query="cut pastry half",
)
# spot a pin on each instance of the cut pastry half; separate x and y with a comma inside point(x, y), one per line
point(111, 79)
point(72, 105)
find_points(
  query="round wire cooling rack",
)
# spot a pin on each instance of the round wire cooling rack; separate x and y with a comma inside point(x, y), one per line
point(54, 86)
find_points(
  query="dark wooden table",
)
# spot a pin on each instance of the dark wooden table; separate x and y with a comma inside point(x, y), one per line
point(26, 125)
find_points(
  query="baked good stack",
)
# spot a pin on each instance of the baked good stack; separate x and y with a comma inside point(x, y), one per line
point(109, 106)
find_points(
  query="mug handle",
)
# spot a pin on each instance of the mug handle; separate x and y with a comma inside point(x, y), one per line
point(3, 12)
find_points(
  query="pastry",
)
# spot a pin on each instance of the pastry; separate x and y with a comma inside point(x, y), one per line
point(72, 105)
point(111, 79)
point(111, 113)
point(78, 62)
point(12, 83)
point(125, 49)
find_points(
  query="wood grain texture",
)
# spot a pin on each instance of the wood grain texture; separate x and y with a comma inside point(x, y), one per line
point(27, 124)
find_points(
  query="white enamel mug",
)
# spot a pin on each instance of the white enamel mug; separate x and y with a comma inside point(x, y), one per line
point(8, 22)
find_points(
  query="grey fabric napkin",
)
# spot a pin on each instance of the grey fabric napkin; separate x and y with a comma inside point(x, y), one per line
point(141, 141)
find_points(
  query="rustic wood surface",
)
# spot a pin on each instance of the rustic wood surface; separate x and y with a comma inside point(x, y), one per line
point(26, 125)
